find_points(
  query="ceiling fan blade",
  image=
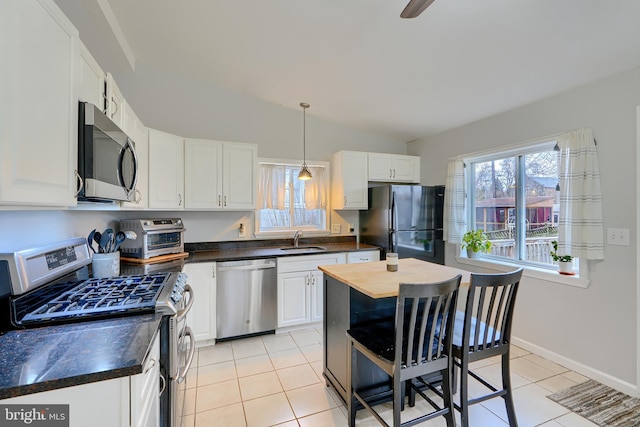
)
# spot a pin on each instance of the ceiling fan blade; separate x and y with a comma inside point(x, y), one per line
point(415, 8)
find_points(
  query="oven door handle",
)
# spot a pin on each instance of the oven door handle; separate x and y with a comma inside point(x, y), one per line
point(182, 373)
point(187, 290)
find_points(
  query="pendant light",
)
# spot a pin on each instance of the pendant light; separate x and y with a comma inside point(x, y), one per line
point(304, 174)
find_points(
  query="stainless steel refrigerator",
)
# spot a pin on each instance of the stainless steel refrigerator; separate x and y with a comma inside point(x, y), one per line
point(406, 219)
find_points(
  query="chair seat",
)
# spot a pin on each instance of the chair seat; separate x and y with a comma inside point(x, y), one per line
point(459, 327)
point(379, 339)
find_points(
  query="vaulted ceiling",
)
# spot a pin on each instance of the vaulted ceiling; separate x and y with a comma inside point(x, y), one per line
point(358, 63)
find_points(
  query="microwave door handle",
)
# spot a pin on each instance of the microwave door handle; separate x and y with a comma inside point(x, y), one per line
point(128, 146)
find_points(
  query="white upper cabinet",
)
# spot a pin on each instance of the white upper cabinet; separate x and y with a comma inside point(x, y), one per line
point(394, 168)
point(220, 175)
point(166, 170)
point(139, 134)
point(92, 79)
point(115, 102)
point(349, 180)
point(39, 83)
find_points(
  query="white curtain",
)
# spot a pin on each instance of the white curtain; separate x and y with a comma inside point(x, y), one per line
point(271, 191)
point(454, 202)
point(580, 232)
point(315, 196)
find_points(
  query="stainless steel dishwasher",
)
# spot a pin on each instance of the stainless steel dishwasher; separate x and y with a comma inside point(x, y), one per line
point(246, 298)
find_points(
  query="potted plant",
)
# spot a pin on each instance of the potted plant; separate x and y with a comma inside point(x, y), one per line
point(565, 262)
point(475, 241)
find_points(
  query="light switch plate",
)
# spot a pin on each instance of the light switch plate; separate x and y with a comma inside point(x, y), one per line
point(618, 236)
point(336, 228)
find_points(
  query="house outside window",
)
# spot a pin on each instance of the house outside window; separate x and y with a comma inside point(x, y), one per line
point(286, 204)
point(512, 196)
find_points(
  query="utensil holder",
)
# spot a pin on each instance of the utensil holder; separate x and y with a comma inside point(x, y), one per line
point(105, 265)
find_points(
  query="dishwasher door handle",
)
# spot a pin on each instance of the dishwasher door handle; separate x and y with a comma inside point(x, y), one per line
point(247, 267)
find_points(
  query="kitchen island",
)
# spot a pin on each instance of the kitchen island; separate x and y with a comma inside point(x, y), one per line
point(359, 294)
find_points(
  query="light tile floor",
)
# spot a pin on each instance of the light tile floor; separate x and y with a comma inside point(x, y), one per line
point(277, 380)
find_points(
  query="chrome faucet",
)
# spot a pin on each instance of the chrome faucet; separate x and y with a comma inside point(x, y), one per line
point(296, 237)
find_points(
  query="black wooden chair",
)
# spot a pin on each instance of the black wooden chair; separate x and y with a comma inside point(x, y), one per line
point(483, 330)
point(408, 348)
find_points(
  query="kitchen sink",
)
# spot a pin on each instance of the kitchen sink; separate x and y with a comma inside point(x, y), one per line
point(302, 249)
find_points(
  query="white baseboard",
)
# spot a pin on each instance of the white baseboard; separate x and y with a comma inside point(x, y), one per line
point(587, 371)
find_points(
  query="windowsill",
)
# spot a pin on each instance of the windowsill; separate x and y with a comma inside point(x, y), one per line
point(579, 281)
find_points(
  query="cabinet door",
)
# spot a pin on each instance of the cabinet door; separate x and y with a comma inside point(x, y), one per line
point(239, 176)
point(380, 167)
point(145, 402)
point(406, 168)
point(349, 180)
point(39, 83)
point(115, 102)
point(294, 290)
point(203, 174)
point(363, 256)
point(139, 134)
point(92, 79)
point(202, 317)
point(166, 170)
point(317, 296)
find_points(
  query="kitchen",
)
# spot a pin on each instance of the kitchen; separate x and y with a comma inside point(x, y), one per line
point(608, 106)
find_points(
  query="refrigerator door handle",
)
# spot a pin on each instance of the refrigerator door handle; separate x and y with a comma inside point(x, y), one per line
point(394, 212)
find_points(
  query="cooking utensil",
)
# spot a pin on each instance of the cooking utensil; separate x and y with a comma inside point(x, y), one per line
point(97, 236)
point(90, 240)
point(104, 242)
point(120, 236)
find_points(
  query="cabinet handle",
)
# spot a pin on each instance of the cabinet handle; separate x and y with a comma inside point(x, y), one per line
point(390, 173)
point(219, 200)
point(213, 271)
point(179, 199)
point(115, 110)
point(313, 280)
point(225, 201)
point(307, 280)
point(394, 173)
point(163, 386)
point(345, 200)
point(138, 197)
point(80, 183)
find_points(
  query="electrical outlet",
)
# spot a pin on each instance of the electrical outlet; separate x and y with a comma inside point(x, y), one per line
point(618, 236)
point(336, 228)
point(241, 231)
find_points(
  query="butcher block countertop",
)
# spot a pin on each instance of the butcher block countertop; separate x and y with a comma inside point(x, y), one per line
point(373, 279)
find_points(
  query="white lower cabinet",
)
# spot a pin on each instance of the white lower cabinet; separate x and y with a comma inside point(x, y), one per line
point(121, 402)
point(300, 288)
point(202, 316)
point(363, 256)
point(145, 402)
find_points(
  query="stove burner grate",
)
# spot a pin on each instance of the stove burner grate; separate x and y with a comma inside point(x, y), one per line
point(102, 296)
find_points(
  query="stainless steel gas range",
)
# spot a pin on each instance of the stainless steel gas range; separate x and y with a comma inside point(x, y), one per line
point(50, 285)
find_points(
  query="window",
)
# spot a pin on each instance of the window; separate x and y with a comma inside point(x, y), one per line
point(286, 203)
point(513, 197)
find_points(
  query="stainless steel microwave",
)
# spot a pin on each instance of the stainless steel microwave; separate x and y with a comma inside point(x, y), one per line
point(107, 161)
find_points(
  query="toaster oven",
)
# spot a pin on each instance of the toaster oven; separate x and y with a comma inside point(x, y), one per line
point(154, 237)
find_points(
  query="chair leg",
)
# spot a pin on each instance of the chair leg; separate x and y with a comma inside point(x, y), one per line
point(464, 392)
point(448, 395)
point(398, 396)
point(506, 385)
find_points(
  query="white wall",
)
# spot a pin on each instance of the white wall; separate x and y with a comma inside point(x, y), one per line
point(595, 328)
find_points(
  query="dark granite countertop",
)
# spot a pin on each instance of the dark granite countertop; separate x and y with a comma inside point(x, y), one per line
point(230, 251)
point(48, 358)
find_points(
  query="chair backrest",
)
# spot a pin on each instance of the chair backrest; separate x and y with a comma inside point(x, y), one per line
point(424, 321)
point(489, 310)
